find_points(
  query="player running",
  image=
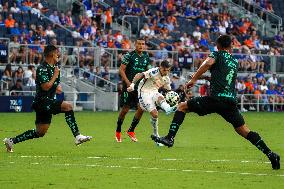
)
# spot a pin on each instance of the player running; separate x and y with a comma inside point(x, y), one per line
point(45, 104)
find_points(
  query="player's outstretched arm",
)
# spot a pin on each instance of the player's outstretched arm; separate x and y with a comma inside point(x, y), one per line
point(206, 65)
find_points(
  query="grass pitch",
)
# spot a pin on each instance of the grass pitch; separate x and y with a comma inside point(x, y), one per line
point(207, 154)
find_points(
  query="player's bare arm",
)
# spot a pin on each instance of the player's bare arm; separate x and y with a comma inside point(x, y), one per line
point(206, 65)
point(135, 79)
point(122, 69)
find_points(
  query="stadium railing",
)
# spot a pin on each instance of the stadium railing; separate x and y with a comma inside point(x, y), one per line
point(261, 102)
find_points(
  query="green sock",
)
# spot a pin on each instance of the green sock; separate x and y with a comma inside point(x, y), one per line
point(134, 123)
point(30, 134)
point(256, 140)
point(70, 120)
point(176, 122)
point(119, 123)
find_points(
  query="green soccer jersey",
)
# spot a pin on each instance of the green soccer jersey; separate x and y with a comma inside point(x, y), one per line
point(223, 74)
point(44, 73)
point(135, 63)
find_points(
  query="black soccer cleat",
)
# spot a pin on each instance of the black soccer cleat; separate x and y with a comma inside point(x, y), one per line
point(275, 160)
point(167, 141)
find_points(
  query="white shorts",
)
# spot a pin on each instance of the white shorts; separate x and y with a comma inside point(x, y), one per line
point(148, 100)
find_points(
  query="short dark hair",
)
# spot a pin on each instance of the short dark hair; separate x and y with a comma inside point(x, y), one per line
point(224, 41)
point(165, 64)
point(49, 49)
point(140, 39)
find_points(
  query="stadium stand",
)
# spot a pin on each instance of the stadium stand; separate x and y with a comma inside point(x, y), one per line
point(93, 36)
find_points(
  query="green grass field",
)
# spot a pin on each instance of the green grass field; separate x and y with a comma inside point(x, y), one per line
point(207, 154)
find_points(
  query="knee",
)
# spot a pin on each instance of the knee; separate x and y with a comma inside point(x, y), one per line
point(154, 115)
point(69, 107)
point(182, 107)
point(41, 133)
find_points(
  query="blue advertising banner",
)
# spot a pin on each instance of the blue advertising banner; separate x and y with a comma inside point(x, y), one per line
point(16, 103)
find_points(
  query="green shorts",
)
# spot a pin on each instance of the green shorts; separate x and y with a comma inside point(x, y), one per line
point(44, 110)
point(225, 107)
point(129, 99)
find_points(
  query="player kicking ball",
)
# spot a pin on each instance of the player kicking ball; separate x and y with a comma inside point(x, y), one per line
point(222, 100)
point(148, 95)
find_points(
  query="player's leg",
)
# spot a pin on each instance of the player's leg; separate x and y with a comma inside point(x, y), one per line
point(178, 118)
point(164, 105)
point(154, 122)
point(234, 117)
point(125, 106)
point(199, 105)
point(136, 119)
point(42, 122)
point(130, 132)
point(134, 102)
point(67, 108)
point(119, 122)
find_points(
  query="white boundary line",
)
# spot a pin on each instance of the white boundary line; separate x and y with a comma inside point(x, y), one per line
point(159, 169)
point(139, 158)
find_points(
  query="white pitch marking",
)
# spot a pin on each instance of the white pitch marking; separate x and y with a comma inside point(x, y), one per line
point(135, 167)
point(36, 163)
point(12, 162)
point(161, 169)
point(172, 159)
point(164, 159)
point(133, 158)
point(97, 157)
point(219, 160)
point(38, 156)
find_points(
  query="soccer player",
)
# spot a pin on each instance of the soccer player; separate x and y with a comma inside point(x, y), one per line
point(133, 62)
point(148, 95)
point(222, 100)
point(45, 104)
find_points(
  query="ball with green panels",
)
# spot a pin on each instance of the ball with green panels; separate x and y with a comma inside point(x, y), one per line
point(172, 98)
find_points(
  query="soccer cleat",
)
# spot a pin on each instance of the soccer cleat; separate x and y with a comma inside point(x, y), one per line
point(159, 144)
point(275, 160)
point(132, 136)
point(118, 136)
point(79, 139)
point(9, 144)
point(171, 110)
point(169, 142)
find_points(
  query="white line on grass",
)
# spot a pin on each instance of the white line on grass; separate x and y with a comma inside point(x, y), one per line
point(163, 169)
point(164, 159)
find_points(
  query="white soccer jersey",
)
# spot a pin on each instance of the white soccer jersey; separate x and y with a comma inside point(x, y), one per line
point(153, 80)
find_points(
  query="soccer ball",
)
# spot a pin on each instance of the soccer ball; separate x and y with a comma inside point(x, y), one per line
point(172, 98)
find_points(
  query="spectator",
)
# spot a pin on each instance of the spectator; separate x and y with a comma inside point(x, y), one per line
point(18, 74)
point(17, 89)
point(10, 22)
point(49, 32)
point(54, 17)
point(14, 8)
point(272, 80)
point(196, 33)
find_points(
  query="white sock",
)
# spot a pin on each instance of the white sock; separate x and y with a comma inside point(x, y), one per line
point(154, 122)
point(165, 106)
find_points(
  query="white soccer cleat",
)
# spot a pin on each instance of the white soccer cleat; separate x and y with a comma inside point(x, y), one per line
point(81, 139)
point(9, 144)
point(171, 110)
point(159, 144)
